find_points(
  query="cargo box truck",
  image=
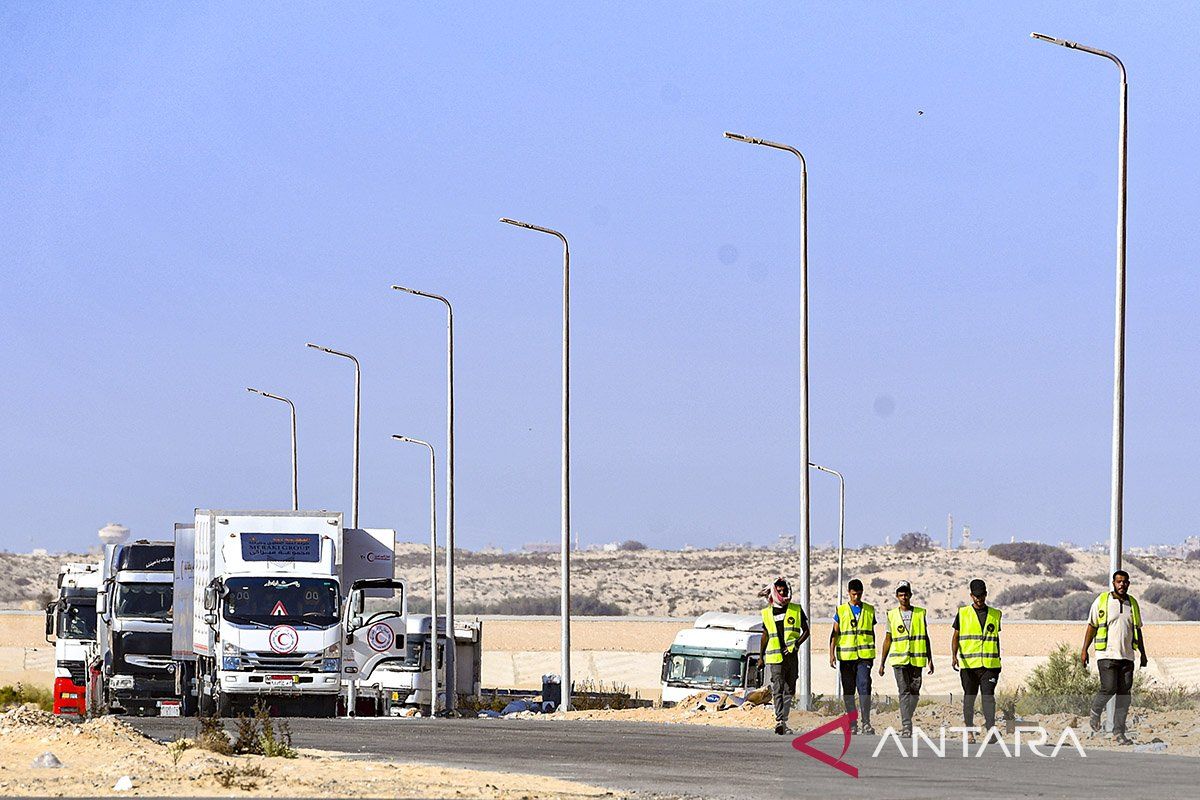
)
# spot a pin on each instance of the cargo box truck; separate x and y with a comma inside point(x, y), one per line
point(266, 607)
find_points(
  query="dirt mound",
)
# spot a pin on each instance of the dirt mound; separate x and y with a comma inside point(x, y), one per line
point(29, 721)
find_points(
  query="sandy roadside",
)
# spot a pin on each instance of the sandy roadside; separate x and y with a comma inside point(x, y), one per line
point(96, 754)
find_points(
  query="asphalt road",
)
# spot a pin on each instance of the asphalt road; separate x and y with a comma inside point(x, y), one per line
point(697, 761)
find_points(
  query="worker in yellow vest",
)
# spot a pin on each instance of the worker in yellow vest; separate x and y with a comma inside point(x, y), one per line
point(785, 629)
point(1115, 626)
point(852, 650)
point(907, 643)
point(976, 642)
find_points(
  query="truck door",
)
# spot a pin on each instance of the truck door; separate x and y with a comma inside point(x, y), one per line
point(376, 618)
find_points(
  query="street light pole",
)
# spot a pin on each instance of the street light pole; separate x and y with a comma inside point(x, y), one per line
point(357, 410)
point(1117, 497)
point(804, 699)
point(841, 522)
point(433, 615)
point(451, 673)
point(295, 476)
point(565, 515)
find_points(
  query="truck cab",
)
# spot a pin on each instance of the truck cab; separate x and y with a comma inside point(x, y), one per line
point(135, 622)
point(71, 625)
point(718, 653)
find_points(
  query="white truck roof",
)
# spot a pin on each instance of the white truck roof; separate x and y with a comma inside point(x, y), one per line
point(733, 622)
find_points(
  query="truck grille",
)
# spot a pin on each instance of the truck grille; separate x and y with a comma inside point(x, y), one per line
point(77, 669)
point(292, 662)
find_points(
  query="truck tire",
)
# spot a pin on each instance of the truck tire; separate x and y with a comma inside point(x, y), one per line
point(204, 685)
point(224, 705)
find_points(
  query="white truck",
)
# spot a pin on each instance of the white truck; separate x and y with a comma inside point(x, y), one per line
point(136, 672)
point(718, 653)
point(71, 623)
point(266, 606)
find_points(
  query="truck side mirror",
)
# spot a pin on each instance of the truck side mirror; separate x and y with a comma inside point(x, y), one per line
point(50, 609)
point(210, 600)
point(356, 622)
point(210, 618)
point(665, 665)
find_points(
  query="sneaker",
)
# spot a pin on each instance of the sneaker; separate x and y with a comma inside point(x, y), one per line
point(905, 734)
point(781, 729)
point(854, 730)
point(1121, 738)
point(867, 730)
point(1094, 722)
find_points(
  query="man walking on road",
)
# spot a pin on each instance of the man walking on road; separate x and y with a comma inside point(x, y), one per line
point(976, 640)
point(785, 629)
point(1115, 626)
point(852, 643)
point(907, 640)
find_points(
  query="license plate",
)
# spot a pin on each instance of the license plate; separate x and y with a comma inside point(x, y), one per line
point(167, 709)
point(280, 680)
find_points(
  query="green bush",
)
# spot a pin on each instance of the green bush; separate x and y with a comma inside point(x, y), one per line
point(1146, 567)
point(878, 583)
point(258, 734)
point(1177, 599)
point(1062, 684)
point(528, 606)
point(1046, 590)
point(1074, 606)
point(1028, 555)
point(21, 694)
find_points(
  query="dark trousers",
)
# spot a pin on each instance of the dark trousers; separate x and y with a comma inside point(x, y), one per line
point(1116, 677)
point(908, 683)
point(975, 681)
point(856, 675)
point(783, 684)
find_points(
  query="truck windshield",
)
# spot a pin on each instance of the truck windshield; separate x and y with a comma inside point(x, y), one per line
point(144, 600)
point(272, 601)
point(77, 621)
point(707, 670)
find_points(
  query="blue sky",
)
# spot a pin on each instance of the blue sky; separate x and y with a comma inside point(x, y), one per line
point(190, 193)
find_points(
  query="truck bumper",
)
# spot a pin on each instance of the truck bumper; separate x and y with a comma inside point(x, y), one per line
point(69, 698)
point(258, 683)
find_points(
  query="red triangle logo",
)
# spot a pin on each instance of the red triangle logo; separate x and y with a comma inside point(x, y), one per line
point(843, 722)
point(279, 610)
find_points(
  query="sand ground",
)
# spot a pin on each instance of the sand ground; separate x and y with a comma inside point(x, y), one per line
point(97, 753)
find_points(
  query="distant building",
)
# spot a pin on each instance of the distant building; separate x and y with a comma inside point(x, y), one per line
point(786, 542)
point(540, 547)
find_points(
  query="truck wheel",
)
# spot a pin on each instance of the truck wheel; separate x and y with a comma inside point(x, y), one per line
point(224, 705)
point(204, 702)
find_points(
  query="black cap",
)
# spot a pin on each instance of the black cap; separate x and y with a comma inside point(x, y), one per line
point(978, 588)
point(855, 585)
point(904, 586)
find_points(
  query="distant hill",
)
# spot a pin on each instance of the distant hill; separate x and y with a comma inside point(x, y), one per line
point(686, 584)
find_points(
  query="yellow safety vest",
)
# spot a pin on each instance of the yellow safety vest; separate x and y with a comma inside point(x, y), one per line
point(910, 647)
point(856, 635)
point(1101, 640)
point(791, 632)
point(978, 647)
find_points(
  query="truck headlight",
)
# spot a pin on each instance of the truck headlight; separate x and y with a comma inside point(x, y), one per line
point(231, 663)
point(334, 650)
point(331, 665)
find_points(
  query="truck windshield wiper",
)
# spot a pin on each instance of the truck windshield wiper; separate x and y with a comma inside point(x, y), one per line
point(247, 620)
